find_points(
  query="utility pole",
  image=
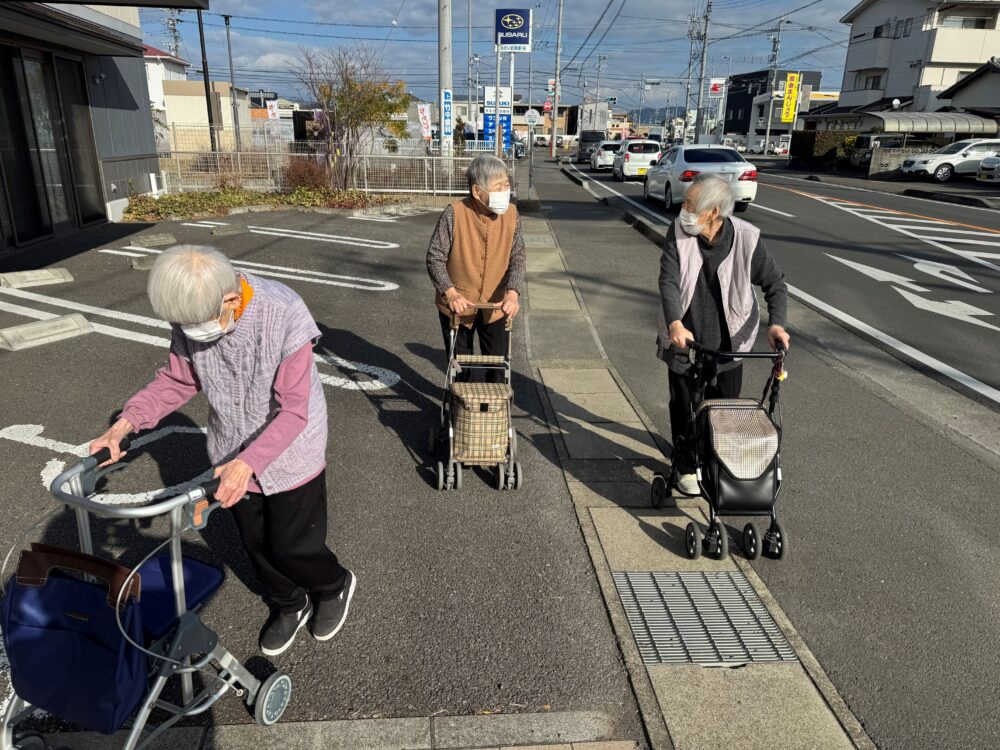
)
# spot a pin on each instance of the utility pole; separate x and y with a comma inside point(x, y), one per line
point(555, 95)
point(601, 59)
point(700, 118)
point(642, 93)
point(475, 116)
point(444, 68)
point(173, 35)
point(208, 85)
point(692, 35)
point(724, 102)
point(468, 79)
point(775, 51)
point(232, 87)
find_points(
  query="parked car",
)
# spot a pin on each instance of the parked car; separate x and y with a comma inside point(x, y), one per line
point(669, 179)
point(960, 157)
point(542, 139)
point(566, 141)
point(989, 169)
point(588, 142)
point(634, 158)
point(518, 149)
point(603, 156)
point(866, 143)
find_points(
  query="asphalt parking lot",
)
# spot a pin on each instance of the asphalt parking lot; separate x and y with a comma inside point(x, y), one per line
point(469, 602)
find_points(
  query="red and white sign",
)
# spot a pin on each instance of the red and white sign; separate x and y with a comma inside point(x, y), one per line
point(547, 106)
point(716, 86)
point(424, 112)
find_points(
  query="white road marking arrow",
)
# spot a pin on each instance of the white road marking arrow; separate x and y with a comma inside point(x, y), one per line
point(946, 272)
point(951, 309)
point(879, 275)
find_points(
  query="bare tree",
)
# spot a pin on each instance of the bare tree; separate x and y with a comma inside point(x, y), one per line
point(356, 99)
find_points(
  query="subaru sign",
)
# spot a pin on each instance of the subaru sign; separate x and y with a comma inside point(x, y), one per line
point(513, 29)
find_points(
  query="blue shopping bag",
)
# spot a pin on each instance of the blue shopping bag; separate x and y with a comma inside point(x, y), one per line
point(67, 655)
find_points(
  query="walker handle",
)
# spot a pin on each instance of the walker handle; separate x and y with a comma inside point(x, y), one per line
point(479, 306)
point(104, 454)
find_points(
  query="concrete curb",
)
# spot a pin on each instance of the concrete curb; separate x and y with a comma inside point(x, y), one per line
point(956, 198)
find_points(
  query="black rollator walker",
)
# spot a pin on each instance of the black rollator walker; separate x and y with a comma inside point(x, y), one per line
point(736, 448)
point(153, 621)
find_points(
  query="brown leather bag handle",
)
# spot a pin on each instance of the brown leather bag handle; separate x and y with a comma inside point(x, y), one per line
point(34, 567)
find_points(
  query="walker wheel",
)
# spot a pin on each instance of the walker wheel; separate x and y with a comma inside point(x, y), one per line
point(458, 476)
point(692, 541)
point(658, 491)
point(30, 741)
point(775, 541)
point(501, 477)
point(518, 476)
point(751, 542)
point(272, 699)
point(440, 476)
point(719, 537)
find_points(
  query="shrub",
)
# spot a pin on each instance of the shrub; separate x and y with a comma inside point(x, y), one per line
point(305, 173)
point(822, 147)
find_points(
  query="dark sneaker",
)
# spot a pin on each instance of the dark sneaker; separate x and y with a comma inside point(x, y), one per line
point(278, 636)
point(331, 613)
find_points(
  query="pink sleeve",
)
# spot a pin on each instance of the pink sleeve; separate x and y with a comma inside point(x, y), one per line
point(173, 386)
point(291, 390)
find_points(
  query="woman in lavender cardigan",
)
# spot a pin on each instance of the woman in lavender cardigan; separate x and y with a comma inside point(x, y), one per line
point(246, 342)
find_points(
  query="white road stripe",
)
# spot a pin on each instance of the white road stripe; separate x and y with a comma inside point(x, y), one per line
point(122, 252)
point(301, 274)
point(214, 223)
point(373, 218)
point(913, 220)
point(200, 225)
point(893, 343)
point(625, 198)
point(965, 241)
point(143, 249)
point(119, 333)
point(300, 234)
point(772, 210)
point(80, 307)
point(944, 228)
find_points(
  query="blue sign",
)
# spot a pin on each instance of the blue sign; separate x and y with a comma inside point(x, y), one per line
point(490, 129)
point(513, 29)
point(447, 116)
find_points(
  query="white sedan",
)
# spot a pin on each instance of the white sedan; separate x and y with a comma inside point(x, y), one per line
point(635, 158)
point(669, 179)
point(603, 156)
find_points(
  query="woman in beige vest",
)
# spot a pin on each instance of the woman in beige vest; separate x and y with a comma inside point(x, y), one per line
point(476, 256)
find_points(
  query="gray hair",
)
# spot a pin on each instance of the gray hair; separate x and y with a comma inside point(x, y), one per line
point(188, 283)
point(484, 169)
point(712, 192)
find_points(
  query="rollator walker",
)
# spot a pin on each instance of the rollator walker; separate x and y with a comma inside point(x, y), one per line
point(168, 589)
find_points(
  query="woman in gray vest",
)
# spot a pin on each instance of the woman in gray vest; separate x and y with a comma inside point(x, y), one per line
point(246, 342)
point(710, 264)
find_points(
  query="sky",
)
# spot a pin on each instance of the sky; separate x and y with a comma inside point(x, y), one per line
point(629, 40)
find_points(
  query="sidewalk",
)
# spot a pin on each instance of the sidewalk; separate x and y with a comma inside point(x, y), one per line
point(681, 636)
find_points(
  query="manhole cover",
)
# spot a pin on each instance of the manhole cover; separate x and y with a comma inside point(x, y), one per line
point(700, 618)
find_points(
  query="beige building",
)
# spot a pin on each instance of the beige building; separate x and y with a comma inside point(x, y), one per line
point(187, 114)
point(912, 50)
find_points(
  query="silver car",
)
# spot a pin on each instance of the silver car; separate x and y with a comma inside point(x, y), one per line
point(669, 179)
point(603, 155)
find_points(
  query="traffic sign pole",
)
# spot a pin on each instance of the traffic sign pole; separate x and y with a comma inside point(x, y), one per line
point(496, 105)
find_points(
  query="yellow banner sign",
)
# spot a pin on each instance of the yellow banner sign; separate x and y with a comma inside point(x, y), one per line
point(790, 105)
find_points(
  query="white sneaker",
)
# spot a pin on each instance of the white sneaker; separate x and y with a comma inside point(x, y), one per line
point(688, 484)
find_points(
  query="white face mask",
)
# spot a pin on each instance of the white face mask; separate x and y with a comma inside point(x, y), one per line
point(689, 222)
point(499, 202)
point(208, 332)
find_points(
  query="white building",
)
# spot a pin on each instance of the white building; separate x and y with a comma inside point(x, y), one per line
point(161, 66)
point(912, 50)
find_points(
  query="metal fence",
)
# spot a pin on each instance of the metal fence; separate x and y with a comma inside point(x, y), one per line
point(274, 171)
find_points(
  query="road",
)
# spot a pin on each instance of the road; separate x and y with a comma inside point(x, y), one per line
point(893, 575)
point(471, 602)
point(920, 277)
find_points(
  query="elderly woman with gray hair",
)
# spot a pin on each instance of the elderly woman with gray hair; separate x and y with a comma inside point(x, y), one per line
point(710, 264)
point(476, 256)
point(246, 342)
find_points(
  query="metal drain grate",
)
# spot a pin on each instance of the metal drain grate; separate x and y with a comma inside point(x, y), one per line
point(700, 618)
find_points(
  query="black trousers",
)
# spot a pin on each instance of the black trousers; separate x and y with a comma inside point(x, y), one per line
point(285, 538)
point(727, 385)
point(492, 341)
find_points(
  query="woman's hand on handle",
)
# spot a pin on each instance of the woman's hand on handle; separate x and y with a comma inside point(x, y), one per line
point(511, 304)
point(679, 335)
point(235, 478)
point(111, 440)
point(778, 335)
point(457, 303)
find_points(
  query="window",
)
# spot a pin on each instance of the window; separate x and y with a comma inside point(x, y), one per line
point(877, 34)
point(908, 27)
point(711, 156)
point(873, 82)
point(739, 114)
point(643, 148)
point(729, 115)
point(962, 22)
point(760, 110)
point(858, 81)
point(899, 30)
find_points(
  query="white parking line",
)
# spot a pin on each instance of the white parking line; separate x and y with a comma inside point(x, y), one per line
point(373, 218)
point(122, 252)
point(80, 307)
point(321, 237)
point(772, 210)
point(119, 333)
point(302, 274)
point(893, 343)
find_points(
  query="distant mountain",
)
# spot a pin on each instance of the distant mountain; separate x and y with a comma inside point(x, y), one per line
point(655, 116)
